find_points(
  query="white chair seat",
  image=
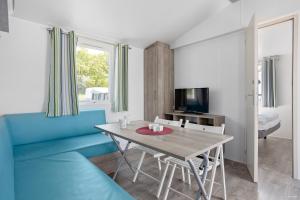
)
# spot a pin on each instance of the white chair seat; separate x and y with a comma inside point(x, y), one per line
point(152, 152)
point(197, 162)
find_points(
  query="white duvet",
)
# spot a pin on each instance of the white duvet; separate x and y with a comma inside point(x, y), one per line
point(267, 119)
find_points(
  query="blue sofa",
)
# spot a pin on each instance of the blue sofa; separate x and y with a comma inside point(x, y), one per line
point(46, 158)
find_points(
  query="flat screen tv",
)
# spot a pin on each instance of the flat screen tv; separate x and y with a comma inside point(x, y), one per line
point(192, 100)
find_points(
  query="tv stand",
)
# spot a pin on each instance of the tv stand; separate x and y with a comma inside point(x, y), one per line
point(197, 118)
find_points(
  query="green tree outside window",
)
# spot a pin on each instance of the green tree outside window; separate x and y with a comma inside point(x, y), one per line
point(92, 69)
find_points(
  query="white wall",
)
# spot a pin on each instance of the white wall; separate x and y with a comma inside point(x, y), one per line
point(243, 11)
point(235, 17)
point(23, 68)
point(277, 40)
point(226, 21)
point(267, 9)
point(219, 65)
point(24, 72)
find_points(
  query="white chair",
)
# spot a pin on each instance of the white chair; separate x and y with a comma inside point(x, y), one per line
point(197, 161)
point(155, 154)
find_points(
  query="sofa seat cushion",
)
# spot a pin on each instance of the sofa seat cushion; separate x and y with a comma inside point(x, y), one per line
point(67, 176)
point(89, 145)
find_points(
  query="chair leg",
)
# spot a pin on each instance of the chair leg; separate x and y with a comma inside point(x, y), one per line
point(139, 166)
point(189, 176)
point(159, 163)
point(170, 182)
point(183, 174)
point(223, 173)
point(213, 173)
point(162, 180)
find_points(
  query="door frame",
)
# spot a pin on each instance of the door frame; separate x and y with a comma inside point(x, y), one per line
point(295, 93)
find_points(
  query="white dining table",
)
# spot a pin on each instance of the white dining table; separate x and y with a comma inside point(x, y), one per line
point(183, 144)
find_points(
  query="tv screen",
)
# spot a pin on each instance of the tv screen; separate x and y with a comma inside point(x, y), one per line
point(192, 100)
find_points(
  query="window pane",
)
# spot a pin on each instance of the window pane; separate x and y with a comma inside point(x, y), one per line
point(93, 74)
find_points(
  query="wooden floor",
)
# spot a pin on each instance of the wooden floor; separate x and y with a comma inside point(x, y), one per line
point(275, 182)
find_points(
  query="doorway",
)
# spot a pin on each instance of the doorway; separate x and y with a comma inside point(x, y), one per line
point(275, 121)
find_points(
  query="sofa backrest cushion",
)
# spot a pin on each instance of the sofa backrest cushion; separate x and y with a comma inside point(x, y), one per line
point(6, 163)
point(36, 127)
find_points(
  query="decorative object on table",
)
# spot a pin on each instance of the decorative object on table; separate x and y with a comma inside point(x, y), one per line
point(123, 122)
point(150, 126)
point(161, 127)
point(155, 127)
point(146, 131)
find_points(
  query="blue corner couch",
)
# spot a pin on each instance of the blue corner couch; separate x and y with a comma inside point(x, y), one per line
point(46, 158)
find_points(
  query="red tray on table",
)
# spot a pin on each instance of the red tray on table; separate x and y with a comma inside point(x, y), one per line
point(147, 131)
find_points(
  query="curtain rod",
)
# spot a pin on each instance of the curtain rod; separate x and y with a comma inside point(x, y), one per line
point(266, 57)
point(109, 43)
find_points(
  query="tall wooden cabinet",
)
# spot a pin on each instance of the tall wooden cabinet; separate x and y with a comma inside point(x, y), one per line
point(158, 80)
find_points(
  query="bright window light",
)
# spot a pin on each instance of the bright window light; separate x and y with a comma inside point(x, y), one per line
point(92, 74)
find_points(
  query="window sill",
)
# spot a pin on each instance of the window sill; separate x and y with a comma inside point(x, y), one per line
point(94, 104)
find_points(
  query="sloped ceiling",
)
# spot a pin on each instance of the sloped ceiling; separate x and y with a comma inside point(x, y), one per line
point(137, 22)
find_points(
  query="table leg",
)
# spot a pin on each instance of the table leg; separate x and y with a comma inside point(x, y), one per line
point(198, 179)
point(205, 165)
point(123, 153)
point(223, 172)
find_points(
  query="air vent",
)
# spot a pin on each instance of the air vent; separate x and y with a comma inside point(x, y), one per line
point(4, 16)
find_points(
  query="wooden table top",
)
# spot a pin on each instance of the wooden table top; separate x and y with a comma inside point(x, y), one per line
point(182, 143)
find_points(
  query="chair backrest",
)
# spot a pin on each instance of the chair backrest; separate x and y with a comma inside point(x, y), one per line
point(168, 122)
point(204, 128)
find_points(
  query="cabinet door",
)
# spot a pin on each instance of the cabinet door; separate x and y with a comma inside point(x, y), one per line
point(168, 81)
point(161, 73)
point(150, 83)
point(165, 81)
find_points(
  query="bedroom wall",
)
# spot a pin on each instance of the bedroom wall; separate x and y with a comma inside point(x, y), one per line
point(219, 65)
point(24, 72)
point(277, 40)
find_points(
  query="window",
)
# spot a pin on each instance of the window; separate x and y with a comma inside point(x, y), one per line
point(93, 65)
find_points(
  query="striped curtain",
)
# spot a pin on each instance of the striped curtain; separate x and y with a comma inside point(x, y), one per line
point(62, 79)
point(120, 79)
point(269, 81)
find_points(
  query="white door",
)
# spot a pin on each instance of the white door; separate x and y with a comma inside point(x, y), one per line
point(251, 99)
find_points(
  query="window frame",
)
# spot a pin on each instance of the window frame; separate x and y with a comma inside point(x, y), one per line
point(94, 44)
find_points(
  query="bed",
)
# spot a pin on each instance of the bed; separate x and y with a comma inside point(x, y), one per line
point(268, 122)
